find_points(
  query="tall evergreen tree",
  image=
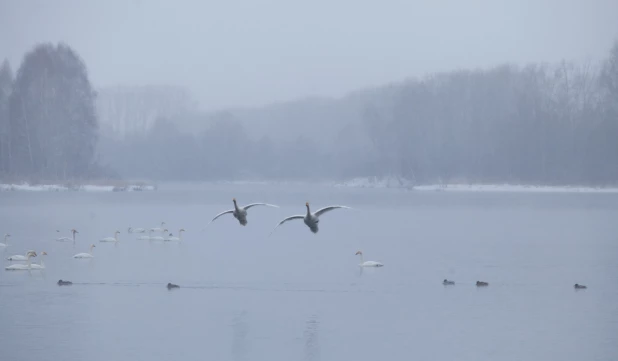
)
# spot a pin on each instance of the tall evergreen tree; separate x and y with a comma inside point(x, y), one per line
point(54, 126)
point(6, 83)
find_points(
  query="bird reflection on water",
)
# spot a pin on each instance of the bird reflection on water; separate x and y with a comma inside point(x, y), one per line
point(312, 345)
point(239, 342)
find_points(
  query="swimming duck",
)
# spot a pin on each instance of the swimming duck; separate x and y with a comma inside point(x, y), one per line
point(579, 287)
point(447, 282)
point(64, 283)
point(171, 285)
point(480, 284)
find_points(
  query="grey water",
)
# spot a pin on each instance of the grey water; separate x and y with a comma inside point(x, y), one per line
point(301, 296)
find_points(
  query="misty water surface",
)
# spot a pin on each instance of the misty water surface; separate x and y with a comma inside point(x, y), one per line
point(301, 296)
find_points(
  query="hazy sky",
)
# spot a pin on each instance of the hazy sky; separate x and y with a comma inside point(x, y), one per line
point(243, 53)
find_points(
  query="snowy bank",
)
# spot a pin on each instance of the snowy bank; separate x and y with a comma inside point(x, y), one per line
point(402, 183)
point(82, 188)
point(512, 188)
point(377, 182)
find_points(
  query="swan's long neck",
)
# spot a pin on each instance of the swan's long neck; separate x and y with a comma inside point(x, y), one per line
point(362, 258)
point(236, 206)
point(308, 210)
point(29, 261)
point(91, 248)
point(116, 236)
point(180, 235)
point(42, 263)
point(6, 239)
point(73, 236)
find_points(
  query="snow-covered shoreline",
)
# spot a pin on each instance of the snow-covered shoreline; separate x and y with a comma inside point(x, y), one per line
point(513, 188)
point(401, 183)
point(396, 183)
point(78, 188)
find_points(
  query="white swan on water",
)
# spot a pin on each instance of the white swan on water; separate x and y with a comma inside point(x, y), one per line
point(310, 219)
point(136, 230)
point(240, 213)
point(364, 263)
point(22, 267)
point(146, 237)
point(85, 254)
point(6, 240)
point(159, 229)
point(175, 239)
point(19, 257)
point(111, 239)
point(67, 239)
point(159, 238)
point(42, 264)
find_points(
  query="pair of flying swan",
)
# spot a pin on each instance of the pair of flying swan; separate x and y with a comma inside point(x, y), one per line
point(310, 219)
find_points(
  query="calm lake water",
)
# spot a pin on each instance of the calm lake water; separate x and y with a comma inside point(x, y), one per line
point(301, 296)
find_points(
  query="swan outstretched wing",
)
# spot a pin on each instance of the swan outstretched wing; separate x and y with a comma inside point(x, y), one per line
point(285, 220)
point(319, 212)
point(220, 214)
point(259, 204)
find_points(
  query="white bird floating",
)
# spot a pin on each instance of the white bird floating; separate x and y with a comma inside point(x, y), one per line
point(19, 257)
point(171, 238)
point(85, 254)
point(240, 213)
point(158, 238)
point(41, 265)
point(6, 240)
point(22, 267)
point(364, 263)
point(146, 237)
point(111, 239)
point(310, 219)
point(159, 229)
point(136, 230)
point(67, 239)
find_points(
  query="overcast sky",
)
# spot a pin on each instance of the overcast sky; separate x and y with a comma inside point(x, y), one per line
point(245, 53)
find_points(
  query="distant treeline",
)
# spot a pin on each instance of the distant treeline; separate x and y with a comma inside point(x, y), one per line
point(48, 123)
point(537, 124)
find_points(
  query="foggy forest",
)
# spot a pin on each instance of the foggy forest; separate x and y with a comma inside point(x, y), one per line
point(539, 123)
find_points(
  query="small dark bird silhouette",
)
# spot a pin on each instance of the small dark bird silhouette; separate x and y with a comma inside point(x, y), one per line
point(480, 284)
point(447, 282)
point(171, 285)
point(579, 287)
point(64, 283)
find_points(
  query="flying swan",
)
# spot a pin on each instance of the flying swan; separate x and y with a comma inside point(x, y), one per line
point(85, 254)
point(241, 213)
point(111, 239)
point(311, 220)
point(364, 263)
point(67, 239)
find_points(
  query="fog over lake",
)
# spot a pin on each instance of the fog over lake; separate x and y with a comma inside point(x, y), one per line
point(415, 180)
point(301, 296)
